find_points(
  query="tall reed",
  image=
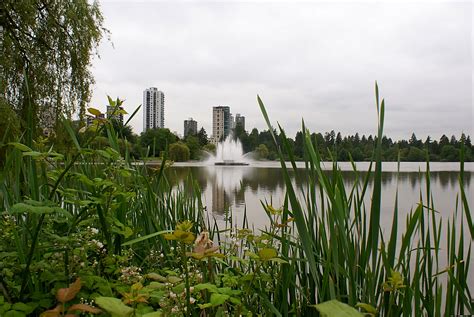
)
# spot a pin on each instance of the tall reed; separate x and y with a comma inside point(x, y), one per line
point(340, 251)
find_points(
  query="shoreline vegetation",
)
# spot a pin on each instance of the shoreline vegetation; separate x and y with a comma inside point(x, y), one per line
point(331, 145)
point(111, 238)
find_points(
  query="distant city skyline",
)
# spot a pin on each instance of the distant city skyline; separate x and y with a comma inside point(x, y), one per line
point(311, 60)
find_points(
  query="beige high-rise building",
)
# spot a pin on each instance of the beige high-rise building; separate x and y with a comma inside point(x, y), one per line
point(221, 123)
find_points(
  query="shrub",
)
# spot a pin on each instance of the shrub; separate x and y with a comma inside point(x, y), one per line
point(179, 152)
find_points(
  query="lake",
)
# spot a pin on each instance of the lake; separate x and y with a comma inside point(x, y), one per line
point(232, 190)
point(229, 190)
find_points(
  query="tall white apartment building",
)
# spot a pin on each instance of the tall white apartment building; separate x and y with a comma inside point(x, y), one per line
point(153, 109)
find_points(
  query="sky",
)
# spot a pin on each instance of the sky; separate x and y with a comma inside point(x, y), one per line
point(317, 61)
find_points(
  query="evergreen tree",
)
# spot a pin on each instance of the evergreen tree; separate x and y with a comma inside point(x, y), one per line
point(202, 137)
point(299, 144)
point(443, 141)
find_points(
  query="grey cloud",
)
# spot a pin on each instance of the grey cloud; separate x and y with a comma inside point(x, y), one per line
point(313, 60)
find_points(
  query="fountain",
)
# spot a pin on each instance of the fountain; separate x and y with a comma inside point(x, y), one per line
point(229, 152)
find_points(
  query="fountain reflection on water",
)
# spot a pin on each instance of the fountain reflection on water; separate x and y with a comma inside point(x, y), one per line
point(229, 152)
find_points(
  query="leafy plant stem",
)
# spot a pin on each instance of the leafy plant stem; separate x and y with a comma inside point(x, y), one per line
point(186, 279)
point(55, 187)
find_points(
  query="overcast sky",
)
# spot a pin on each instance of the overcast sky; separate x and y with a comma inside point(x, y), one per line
point(311, 60)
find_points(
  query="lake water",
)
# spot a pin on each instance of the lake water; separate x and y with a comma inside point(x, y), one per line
point(228, 190)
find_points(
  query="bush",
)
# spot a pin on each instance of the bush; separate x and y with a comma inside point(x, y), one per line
point(210, 147)
point(262, 152)
point(179, 152)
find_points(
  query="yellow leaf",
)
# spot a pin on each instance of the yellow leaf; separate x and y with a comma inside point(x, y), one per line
point(267, 254)
point(94, 111)
point(170, 236)
point(367, 307)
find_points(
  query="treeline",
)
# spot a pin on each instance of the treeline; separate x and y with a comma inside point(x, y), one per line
point(360, 148)
point(155, 143)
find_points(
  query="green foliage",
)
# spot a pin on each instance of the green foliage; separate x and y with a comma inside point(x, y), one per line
point(193, 144)
point(50, 45)
point(114, 306)
point(347, 257)
point(144, 248)
point(334, 145)
point(179, 152)
point(9, 129)
point(210, 148)
point(261, 151)
point(157, 140)
point(334, 308)
point(202, 136)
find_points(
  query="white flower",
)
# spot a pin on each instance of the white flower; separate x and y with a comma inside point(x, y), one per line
point(192, 300)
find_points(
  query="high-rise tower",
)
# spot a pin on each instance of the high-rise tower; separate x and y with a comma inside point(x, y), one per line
point(221, 123)
point(153, 109)
point(190, 127)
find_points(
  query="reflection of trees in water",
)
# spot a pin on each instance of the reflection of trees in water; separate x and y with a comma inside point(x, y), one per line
point(183, 174)
point(230, 184)
point(270, 179)
point(267, 179)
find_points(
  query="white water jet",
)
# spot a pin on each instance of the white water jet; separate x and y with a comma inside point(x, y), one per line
point(229, 152)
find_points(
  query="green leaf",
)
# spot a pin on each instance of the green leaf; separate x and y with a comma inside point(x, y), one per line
point(38, 207)
point(208, 286)
point(148, 236)
point(204, 306)
point(156, 277)
point(267, 254)
point(278, 260)
point(174, 279)
point(120, 228)
point(21, 147)
point(156, 285)
point(368, 308)
point(23, 307)
point(15, 313)
point(334, 308)
point(218, 299)
point(235, 300)
point(153, 314)
point(114, 306)
point(33, 154)
point(5, 307)
point(228, 291)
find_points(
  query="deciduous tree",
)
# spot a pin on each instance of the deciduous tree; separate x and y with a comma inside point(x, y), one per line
point(47, 50)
